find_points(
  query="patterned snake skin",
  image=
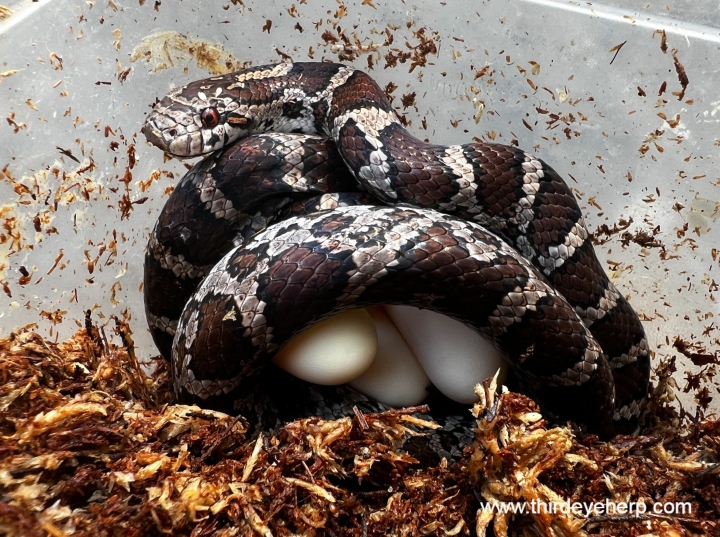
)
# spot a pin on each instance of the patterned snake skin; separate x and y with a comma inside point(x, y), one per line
point(510, 257)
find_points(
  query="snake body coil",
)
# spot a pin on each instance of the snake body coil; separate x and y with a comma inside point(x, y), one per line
point(510, 257)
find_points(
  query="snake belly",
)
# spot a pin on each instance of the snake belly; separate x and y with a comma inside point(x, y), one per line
point(508, 191)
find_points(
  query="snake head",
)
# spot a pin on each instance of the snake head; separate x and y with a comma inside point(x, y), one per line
point(197, 119)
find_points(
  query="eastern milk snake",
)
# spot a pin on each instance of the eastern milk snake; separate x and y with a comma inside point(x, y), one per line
point(485, 233)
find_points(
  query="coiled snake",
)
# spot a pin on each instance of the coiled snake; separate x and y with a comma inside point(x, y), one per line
point(485, 233)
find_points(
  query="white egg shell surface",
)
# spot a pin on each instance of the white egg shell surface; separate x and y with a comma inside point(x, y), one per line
point(334, 351)
point(395, 377)
point(454, 356)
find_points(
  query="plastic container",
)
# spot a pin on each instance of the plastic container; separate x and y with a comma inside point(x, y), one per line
point(597, 91)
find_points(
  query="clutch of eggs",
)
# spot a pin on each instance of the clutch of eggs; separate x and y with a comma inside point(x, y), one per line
point(392, 354)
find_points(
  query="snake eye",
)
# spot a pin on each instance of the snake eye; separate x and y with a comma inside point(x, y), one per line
point(210, 118)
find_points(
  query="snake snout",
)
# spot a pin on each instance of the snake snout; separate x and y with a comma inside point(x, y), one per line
point(154, 136)
point(171, 135)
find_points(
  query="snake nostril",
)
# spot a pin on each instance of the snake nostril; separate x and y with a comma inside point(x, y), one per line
point(172, 132)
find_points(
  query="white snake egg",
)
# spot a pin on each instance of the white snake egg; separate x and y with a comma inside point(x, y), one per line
point(392, 354)
point(334, 351)
point(454, 356)
point(395, 377)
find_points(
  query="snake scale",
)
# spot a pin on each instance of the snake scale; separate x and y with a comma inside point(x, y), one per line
point(348, 209)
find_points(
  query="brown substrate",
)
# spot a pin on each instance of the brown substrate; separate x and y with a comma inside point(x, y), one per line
point(90, 445)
